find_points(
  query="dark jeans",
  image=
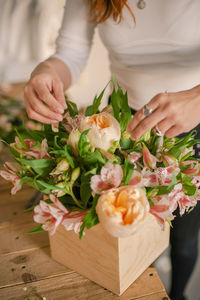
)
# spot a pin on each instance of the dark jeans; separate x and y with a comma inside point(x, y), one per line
point(184, 243)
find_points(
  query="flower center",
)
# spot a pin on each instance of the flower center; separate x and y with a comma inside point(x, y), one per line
point(100, 121)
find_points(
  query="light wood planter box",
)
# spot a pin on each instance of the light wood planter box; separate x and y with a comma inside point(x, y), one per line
point(114, 263)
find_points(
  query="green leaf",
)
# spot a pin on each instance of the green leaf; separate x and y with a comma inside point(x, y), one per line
point(162, 190)
point(190, 189)
point(126, 144)
point(128, 169)
point(26, 179)
point(83, 144)
point(91, 218)
point(93, 109)
point(72, 108)
point(94, 157)
point(50, 187)
point(36, 229)
point(85, 190)
point(121, 109)
point(41, 166)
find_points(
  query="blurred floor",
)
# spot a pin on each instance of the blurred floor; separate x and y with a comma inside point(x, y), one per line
point(163, 267)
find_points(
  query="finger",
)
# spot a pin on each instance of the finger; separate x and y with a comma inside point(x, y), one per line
point(35, 116)
point(39, 107)
point(164, 125)
point(59, 93)
point(45, 95)
point(173, 131)
point(139, 116)
point(147, 124)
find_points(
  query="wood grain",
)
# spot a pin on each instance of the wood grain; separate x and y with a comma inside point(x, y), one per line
point(28, 271)
point(111, 262)
point(73, 286)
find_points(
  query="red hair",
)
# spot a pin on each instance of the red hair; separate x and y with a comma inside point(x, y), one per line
point(101, 10)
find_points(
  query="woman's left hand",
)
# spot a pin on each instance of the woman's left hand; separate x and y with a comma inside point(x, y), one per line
point(172, 114)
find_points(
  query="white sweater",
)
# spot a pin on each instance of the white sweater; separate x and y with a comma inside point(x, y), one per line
point(160, 53)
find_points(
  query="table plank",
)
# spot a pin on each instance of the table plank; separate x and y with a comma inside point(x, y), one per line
point(28, 272)
point(12, 207)
point(74, 286)
point(16, 239)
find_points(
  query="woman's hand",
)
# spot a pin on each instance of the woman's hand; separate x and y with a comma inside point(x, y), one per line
point(44, 94)
point(172, 114)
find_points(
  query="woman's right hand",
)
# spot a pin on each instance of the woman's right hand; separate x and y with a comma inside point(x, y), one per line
point(44, 96)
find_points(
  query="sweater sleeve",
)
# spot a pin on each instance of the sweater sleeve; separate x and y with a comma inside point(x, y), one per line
point(75, 37)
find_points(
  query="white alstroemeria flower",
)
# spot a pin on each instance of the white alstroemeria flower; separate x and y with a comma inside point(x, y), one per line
point(122, 210)
point(104, 130)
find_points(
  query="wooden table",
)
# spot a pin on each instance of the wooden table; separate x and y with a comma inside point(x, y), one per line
point(29, 273)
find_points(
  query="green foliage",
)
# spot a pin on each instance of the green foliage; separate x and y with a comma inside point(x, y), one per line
point(121, 109)
point(36, 229)
point(72, 108)
point(72, 183)
point(93, 109)
point(91, 218)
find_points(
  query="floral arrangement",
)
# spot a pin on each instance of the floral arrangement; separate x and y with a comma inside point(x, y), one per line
point(90, 170)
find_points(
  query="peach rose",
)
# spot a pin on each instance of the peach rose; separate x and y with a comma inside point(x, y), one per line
point(121, 210)
point(104, 130)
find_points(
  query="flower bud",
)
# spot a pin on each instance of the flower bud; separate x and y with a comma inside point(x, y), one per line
point(62, 166)
point(75, 175)
point(73, 140)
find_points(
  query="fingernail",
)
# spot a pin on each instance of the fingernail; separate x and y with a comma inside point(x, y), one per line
point(60, 110)
point(59, 118)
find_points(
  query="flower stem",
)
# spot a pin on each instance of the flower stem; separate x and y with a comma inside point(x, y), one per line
point(75, 199)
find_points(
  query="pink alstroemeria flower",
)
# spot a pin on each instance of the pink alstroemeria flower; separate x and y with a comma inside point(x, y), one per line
point(53, 215)
point(160, 176)
point(161, 209)
point(11, 175)
point(74, 221)
point(134, 156)
point(70, 123)
point(136, 179)
point(178, 198)
point(37, 153)
point(50, 215)
point(169, 160)
point(149, 160)
point(165, 205)
point(110, 177)
point(194, 168)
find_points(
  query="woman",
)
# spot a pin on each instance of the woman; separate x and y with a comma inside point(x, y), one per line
point(155, 55)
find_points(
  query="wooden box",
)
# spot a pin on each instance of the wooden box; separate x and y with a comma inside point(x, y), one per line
point(113, 263)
